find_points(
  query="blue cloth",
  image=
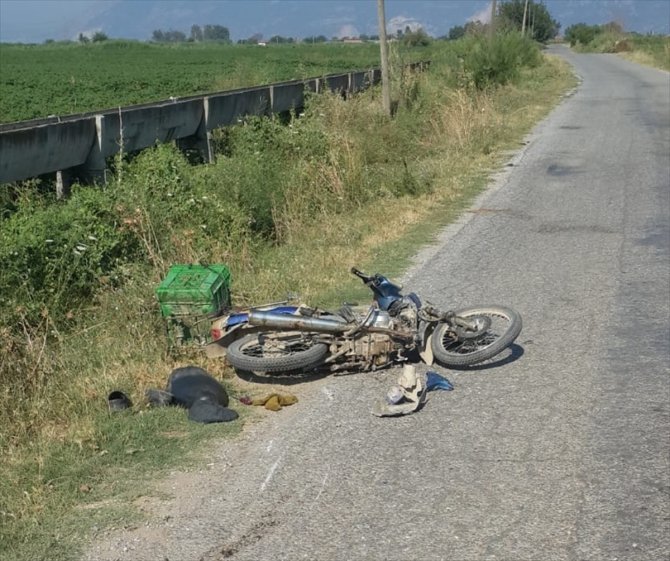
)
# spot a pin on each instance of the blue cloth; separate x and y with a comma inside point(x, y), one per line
point(436, 382)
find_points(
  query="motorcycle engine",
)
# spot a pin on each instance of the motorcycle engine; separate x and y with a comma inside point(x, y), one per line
point(406, 311)
point(381, 319)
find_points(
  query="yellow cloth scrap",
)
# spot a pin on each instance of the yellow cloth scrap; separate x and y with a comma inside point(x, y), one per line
point(275, 401)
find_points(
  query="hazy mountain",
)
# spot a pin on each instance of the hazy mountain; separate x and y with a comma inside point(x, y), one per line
point(37, 20)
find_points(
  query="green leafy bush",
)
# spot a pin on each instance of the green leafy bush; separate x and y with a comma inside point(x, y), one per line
point(497, 61)
point(418, 38)
point(582, 33)
point(511, 16)
point(54, 255)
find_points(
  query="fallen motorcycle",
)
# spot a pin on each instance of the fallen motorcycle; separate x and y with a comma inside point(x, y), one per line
point(283, 338)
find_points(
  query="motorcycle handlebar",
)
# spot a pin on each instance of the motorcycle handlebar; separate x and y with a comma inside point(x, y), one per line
point(365, 278)
point(361, 275)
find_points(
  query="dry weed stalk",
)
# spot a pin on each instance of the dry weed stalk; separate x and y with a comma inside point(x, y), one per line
point(464, 118)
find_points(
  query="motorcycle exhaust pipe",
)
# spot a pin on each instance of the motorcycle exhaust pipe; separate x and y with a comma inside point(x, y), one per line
point(288, 322)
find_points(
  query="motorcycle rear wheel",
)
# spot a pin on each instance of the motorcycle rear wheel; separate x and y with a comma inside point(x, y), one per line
point(449, 350)
point(276, 352)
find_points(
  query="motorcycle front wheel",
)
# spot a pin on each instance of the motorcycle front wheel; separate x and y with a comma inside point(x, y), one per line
point(503, 327)
point(276, 352)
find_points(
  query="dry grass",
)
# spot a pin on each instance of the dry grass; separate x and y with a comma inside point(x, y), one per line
point(653, 59)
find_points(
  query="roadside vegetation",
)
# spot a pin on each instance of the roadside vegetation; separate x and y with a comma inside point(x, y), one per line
point(287, 206)
point(651, 50)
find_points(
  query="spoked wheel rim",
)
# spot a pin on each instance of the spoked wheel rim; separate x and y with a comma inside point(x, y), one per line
point(499, 328)
point(273, 347)
point(276, 352)
point(494, 326)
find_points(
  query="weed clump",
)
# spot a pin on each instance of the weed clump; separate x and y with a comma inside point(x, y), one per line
point(55, 255)
point(653, 50)
point(497, 61)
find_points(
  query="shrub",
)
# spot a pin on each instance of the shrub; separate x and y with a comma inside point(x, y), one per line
point(178, 213)
point(497, 61)
point(582, 33)
point(53, 256)
point(418, 38)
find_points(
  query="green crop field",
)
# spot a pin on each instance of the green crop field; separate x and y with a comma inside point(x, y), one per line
point(61, 79)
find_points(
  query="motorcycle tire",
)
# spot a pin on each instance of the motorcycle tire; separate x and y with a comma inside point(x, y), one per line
point(449, 350)
point(286, 353)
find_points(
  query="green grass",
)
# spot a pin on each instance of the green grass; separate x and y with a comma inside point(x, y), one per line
point(61, 79)
point(321, 199)
point(89, 483)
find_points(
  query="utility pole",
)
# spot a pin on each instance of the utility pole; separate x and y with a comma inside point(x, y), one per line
point(532, 21)
point(523, 24)
point(384, 50)
point(492, 25)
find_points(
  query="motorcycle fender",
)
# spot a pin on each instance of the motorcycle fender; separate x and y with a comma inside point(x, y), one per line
point(426, 352)
point(217, 349)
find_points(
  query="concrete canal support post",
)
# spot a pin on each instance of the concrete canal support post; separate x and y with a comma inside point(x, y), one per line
point(94, 168)
point(201, 141)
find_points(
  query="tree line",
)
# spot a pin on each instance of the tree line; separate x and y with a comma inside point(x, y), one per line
point(198, 34)
point(412, 37)
point(530, 17)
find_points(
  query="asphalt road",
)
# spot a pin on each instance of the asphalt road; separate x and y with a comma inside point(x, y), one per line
point(562, 452)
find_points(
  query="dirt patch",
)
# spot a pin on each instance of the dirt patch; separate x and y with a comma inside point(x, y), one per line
point(250, 537)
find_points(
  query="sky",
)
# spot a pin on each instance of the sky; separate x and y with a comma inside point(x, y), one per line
point(34, 21)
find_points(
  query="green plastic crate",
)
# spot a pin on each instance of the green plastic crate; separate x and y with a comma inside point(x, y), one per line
point(188, 296)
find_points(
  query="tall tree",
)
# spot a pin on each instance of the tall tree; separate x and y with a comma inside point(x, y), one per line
point(456, 32)
point(196, 33)
point(475, 28)
point(216, 33)
point(544, 26)
point(174, 36)
point(316, 39)
point(280, 39)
